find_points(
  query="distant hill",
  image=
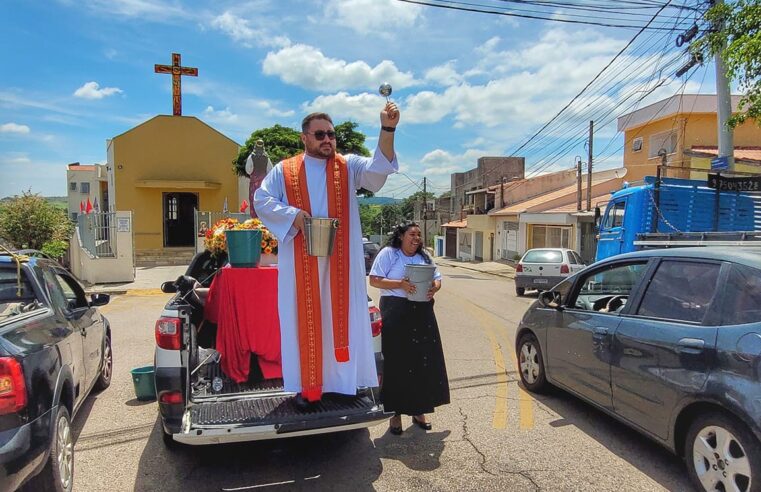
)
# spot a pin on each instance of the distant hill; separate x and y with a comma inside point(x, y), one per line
point(57, 201)
point(378, 200)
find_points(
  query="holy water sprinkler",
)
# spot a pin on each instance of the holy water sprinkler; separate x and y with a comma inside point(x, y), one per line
point(385, 90)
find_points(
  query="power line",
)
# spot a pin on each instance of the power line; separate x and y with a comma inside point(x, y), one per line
point(486, 9)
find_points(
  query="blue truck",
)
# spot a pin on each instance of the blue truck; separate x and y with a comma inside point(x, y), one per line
point(671, 212)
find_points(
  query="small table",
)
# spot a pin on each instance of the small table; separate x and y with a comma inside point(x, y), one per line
point(243, 304)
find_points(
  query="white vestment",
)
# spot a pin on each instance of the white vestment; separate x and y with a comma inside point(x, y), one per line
point(271, 204)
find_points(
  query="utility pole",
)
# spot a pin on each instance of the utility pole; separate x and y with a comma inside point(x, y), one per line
point(578, 184)
point(425, 214)
point(724, 107)
point(589, 167)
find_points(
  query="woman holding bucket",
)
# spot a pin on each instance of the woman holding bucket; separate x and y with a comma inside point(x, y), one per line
point(414, 376)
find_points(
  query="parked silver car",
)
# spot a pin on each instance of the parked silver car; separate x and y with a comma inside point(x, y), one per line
point(543, 268)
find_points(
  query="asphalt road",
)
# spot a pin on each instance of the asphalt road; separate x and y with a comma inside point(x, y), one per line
point(493, 436)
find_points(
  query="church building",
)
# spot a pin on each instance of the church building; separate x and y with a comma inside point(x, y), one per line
point(166, 168)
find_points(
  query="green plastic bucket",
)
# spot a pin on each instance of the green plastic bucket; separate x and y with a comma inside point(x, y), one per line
point(244, 248)
point(145, 386)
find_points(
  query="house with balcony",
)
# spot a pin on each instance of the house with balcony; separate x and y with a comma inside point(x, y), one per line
point(685, 127)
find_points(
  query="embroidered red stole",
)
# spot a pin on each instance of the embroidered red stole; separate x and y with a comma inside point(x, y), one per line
point(307, 273)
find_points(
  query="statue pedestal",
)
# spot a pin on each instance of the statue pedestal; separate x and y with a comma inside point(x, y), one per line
point(268, 259)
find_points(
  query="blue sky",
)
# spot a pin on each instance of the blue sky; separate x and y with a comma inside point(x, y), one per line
point(81, 71)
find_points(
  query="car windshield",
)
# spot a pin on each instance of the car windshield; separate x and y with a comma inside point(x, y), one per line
point(543, 256)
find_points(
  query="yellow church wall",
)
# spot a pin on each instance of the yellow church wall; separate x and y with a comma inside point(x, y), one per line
point(177, 154)
point(693, 129)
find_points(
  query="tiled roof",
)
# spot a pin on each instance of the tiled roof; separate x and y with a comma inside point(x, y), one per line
point(81, 167)
point(597, 201)
point(457, 223)
point(537, 201)
point(745, 154)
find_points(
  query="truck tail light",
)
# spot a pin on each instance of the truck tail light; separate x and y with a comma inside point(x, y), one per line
point(12, 386)
point(170, 397)
point(519, 268)
point(169, 333)
point(564, 268)
point(376, 323)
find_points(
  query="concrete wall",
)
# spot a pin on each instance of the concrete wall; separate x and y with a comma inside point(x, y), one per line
point(96, 177)
point(93, 270)
point(692, 129)
point(171, 148)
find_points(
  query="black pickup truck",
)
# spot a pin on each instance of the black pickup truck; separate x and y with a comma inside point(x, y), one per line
point(55, 347)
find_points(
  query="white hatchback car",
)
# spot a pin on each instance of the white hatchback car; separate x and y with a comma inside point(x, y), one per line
point(543, 268)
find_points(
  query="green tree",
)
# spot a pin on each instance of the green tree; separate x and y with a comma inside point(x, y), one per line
point(739, 42)
point(408, 204)
point(29, 221)
point(282, 142)
point(367, 216)
point(390, 215)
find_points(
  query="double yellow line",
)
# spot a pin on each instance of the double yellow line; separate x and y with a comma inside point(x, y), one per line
point(488, 323)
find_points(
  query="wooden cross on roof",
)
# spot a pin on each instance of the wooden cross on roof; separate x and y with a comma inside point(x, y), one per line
point(177, 71)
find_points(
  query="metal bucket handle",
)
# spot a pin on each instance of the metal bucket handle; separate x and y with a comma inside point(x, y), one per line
point(335, 223)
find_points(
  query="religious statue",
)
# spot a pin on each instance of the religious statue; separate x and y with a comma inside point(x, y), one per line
point(258, 165)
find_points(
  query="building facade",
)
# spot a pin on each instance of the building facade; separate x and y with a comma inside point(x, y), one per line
point(686, 128)
point(86, 183)
point(163, 170)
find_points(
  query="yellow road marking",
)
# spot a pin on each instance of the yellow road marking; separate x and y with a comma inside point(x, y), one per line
point(499, 421)
point(525, 400)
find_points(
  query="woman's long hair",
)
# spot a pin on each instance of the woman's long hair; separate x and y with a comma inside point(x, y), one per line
point(395, 241)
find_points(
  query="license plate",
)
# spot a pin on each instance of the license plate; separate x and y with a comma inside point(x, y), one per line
point(540, 280)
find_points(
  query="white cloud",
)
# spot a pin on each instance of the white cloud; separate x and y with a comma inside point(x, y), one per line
point(363, 108)
point(92, 90)
point(443, 74)
point(240, 30)
point(220, 116)
point(14, 128)
point(16, 158)
point(378, 18)
point(148, 9)
point(306, 66)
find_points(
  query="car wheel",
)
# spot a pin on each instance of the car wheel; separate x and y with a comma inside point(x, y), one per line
point(58, 473)
point(531, 364)
point(106, 367)
point(519, 291)
point(723, 454)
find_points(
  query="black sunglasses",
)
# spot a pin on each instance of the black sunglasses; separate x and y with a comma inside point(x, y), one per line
point(320, 134)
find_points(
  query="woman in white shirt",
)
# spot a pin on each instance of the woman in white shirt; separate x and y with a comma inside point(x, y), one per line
point(414, 373)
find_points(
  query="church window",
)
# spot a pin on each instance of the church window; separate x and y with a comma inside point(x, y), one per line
point(173, 208)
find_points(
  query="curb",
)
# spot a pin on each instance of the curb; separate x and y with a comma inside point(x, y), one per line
point(464, 267)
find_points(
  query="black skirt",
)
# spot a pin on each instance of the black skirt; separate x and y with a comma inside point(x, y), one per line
point(414, 373)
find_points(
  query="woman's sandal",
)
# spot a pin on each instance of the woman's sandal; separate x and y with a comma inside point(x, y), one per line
point(422, 425)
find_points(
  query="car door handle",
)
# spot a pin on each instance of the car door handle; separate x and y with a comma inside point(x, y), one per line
point(599, 333)
point(690, 345)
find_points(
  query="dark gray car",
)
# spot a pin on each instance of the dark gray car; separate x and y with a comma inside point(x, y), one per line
point(667, 341)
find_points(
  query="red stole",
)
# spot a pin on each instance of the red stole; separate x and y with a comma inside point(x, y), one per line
point(307, 273)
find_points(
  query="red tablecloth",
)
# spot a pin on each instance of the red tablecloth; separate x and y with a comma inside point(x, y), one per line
point(243, 304)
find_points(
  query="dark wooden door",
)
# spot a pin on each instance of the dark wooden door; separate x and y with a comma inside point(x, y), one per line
point(451, 243)
point(179, 217)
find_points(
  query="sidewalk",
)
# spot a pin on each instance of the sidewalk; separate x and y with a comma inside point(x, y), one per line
point(147, 281)
point(491, 267)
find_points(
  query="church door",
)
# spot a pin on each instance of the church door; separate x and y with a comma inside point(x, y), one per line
point(179, 227)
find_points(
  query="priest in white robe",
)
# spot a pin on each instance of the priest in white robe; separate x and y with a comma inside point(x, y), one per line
point(286, 221)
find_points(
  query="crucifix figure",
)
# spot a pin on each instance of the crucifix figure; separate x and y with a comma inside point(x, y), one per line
point(176, 70)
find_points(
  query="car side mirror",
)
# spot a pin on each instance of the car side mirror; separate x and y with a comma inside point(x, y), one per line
point(169, 287)
point(551, 299)
point(99, 299)
point(597, 216)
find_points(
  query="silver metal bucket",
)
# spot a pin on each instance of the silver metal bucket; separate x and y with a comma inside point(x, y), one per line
point(422, 277)
point(320, 234)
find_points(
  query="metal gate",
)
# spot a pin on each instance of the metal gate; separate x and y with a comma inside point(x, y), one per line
point(478, 248)
point(97, 233)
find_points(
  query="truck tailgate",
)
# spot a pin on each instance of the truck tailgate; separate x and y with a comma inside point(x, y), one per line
point(275, 416)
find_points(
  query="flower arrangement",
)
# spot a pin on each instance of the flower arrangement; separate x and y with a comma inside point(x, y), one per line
point(215, 241)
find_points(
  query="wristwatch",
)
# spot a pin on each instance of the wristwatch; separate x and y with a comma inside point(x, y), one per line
point(390, 129)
